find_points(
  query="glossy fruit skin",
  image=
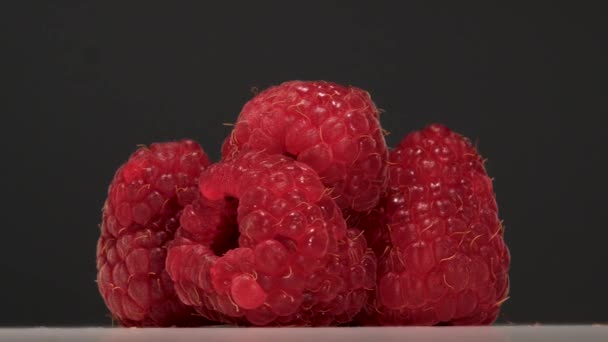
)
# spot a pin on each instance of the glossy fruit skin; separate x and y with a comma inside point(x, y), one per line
point(442, 258)
point(296, 262)
point(332, 128)
point(140, 216)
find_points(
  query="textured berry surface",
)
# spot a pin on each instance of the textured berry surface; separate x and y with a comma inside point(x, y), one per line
point(140, 217)
point(292, 260)
point(332, 128)
point(441, 254)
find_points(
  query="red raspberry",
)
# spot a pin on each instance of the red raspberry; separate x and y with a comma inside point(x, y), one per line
point(296, 262)
point(332, 128)
point(441, 254)
point(140, 216)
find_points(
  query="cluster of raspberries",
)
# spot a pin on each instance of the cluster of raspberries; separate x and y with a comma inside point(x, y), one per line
point(308, 220)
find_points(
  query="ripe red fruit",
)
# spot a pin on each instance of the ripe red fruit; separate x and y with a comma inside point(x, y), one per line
point(442, 258)
point(140, 216)
point(332, 128)
point(295, 261)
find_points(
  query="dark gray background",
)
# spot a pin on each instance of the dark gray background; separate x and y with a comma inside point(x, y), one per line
point(85, 82)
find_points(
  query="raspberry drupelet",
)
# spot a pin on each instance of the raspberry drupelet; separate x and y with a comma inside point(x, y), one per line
point(441, 254)
point(295, 262)
point(332, 128)
point(140, 216)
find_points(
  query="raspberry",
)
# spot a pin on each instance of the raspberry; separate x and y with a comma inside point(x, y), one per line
point(332, 128)
point(140, 216)
point(292, 261)
point(441, 254)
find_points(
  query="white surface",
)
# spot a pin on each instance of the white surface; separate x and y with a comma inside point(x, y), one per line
point(404, 334)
